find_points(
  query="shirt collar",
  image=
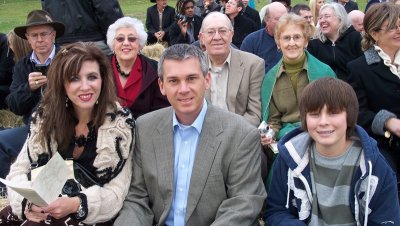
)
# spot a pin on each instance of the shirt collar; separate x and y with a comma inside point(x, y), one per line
point(226, 62)
point(198, 123)
point(35, 60)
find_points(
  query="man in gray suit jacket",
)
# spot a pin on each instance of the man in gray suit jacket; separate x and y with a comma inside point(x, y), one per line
point(194, 164)
point(236, 75)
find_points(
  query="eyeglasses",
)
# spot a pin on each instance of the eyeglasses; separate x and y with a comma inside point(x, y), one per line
point(287, 38)
point(325, 16)
point(220, 31)
point(121, 39)
point(393, 29)
point(35, 36)
point(231, 3)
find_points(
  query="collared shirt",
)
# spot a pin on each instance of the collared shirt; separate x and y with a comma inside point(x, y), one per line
point(35, 60)
point(219, 83)
point(185, 145)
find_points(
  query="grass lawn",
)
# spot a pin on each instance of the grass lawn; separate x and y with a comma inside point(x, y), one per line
point(13, 12)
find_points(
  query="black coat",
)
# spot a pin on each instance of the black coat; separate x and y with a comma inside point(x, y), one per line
point(346, 48)
point(21, 99)
point(176, 37)
point(377, 88)
point(253, 15)
point(84, 21)
point(6, 67)
point(153, 21)
point(150, 97)
point(242, 27)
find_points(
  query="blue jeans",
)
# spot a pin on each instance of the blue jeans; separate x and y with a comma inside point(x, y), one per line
point(11, 142)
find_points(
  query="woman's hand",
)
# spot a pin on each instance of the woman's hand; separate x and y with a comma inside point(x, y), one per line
point(62, 207)
point(35, 213)
point(265, 140)
point(393, 125)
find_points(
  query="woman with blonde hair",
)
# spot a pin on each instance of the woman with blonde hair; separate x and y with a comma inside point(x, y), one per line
point(283, 84)
point(19, 46)
point(315, 6)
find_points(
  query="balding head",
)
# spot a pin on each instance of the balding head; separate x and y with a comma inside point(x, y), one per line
point(274, 11)
point(357, 17)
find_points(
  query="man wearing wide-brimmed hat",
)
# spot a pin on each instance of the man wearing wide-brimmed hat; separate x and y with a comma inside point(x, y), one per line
point(28, 80)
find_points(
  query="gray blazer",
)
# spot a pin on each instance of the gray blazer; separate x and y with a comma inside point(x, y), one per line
point(226, 187)
point(246, 72)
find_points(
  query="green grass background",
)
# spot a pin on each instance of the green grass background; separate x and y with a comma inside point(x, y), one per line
point(13, 12)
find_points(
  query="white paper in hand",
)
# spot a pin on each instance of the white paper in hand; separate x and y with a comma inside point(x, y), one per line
point(47, 185)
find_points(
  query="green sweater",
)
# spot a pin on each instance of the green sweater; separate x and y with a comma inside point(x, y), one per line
point(315, 70)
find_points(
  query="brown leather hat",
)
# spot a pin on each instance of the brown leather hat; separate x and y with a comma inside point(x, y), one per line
point(39, 17)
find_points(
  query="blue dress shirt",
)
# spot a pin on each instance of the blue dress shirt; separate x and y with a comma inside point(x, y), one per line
point(185, 145)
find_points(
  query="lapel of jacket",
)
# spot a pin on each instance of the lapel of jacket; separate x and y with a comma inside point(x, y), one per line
point(164, 162)
point(236, 71)
point(383, 71)
point(209, 142)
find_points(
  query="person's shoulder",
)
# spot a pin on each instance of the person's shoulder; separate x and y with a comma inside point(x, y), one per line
point(155, 116)
point(246, 56)
point(226, 118)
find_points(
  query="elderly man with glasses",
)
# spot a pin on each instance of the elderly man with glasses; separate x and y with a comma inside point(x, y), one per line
point(29, 80)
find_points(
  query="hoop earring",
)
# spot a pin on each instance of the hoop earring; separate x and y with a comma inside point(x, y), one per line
point(97, 101)
point(66, 102)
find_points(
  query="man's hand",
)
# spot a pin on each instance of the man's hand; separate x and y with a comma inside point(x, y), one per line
point(183, 26)
point(36, 80)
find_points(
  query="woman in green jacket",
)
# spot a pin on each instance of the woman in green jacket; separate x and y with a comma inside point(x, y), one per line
point(283, 84)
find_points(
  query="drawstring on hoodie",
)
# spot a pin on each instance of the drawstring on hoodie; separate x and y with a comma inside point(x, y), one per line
point(288, 189)
point(368, 191)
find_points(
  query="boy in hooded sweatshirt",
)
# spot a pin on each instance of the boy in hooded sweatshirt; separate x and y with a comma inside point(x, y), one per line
point(330, 172)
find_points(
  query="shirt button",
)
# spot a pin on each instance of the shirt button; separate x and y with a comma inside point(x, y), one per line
point(180, 189)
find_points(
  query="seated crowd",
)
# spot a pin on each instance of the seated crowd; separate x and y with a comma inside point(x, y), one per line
point(291, 118)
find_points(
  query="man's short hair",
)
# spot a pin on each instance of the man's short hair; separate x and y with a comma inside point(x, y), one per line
point(336, 94)
point(182, 52)
point(298, 7)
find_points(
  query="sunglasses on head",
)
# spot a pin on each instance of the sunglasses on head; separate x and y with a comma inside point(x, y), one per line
point(122, 39)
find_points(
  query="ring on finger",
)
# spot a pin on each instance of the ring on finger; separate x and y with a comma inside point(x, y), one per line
point(36, 82)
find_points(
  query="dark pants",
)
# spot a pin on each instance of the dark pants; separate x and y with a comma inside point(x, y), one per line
point(11, 142)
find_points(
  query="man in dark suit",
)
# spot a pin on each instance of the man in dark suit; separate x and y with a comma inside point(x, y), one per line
point(241, 24)
point(159, 19)
point(194, 164)
point(185, 30)
point(251, 13)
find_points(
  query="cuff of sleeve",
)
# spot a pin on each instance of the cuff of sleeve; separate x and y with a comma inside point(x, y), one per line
point(378, 124)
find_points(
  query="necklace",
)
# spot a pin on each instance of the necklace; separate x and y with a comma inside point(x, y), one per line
point(123, 74)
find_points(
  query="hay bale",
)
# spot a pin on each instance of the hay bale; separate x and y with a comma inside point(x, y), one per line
point(3, 202)
point(9, 119)
point(153, 51)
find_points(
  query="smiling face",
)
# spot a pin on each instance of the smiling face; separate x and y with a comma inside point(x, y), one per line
point(216, 35)
point(292, 42)
point(84, 89)
point(388, 38)
point(328, 130)
point(184, 86)
point(319, 4)
point(329, 23)
point(126, 44)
